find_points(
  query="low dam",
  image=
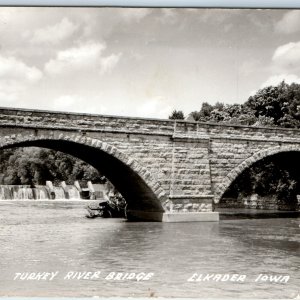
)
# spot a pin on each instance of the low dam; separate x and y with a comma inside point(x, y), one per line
point(51, 192)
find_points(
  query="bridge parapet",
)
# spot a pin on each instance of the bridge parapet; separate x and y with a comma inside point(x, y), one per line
point(235, 132)
point(80, 121)
point(177, 129)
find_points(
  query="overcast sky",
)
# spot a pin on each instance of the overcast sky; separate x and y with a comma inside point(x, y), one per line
point(142, 62)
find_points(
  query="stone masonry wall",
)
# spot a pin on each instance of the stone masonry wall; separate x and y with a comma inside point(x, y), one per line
point(225, 155)
point(257, 202)
point(193, 130)
point(190, 160)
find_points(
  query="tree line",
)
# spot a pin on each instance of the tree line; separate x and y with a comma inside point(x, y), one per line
point(34, 166)
point(271, 106)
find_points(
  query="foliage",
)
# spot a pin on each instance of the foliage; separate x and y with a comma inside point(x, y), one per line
point(277, 105)
point(33, 166)
point(271, 106)
point(176, 115)
point(267, 177)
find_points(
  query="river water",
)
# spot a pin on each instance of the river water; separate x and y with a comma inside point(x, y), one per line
point(56, 237)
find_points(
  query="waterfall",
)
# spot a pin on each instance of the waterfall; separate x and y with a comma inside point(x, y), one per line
point(50, 192)
point(73, 192)
point(22, 192)
point(5, 193)
point(59, 192)
point(41, 192)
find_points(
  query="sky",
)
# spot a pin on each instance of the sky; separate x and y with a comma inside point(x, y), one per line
point(142, 62)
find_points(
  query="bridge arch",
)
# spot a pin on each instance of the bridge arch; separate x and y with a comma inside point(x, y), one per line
point(233, 174)
point(144, 195)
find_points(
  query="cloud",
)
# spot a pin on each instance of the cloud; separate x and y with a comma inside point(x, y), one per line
point(78, 57)
point(15, 77)
point(285, 65)
point(276, 79)
point(109, 62)
point(135, 14)
point(54, 34)
point(290, 22)
point(82, 58)
point(14, 69)
point(9, 92)
point(154, 108)
point(287, 56)
point(7, 14)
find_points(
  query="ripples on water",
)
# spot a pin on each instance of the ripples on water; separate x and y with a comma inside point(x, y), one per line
point(45, 237)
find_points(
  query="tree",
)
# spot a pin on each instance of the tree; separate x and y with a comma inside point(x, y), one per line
point(204, 114)
point(271, 106)
point(34, 166)
point(176, 115)
point(274, 176)
point(277, 105)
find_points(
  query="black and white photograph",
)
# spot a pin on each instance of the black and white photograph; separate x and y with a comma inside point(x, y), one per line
point(149, 152)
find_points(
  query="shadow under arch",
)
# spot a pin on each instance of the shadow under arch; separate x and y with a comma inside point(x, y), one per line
point(143, 194)
point(233, 174)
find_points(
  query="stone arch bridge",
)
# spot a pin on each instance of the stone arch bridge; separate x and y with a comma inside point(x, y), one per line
point(166, 170)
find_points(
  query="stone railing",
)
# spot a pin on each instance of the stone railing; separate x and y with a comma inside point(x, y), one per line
point(176, 129)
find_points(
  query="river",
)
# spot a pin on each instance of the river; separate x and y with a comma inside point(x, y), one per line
point(55, 237)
